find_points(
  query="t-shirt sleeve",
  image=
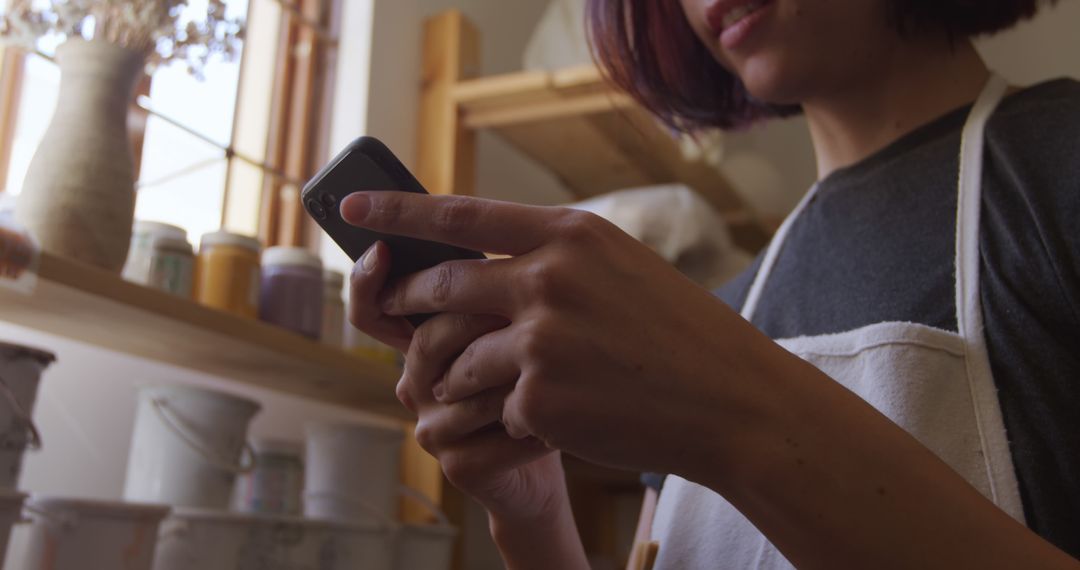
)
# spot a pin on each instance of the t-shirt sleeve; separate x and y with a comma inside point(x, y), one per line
point(734, 292)
point(1033, 149)
point(1030, 246)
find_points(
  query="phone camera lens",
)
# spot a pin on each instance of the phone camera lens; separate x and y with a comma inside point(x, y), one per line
point(316, 209)
point(328, 200)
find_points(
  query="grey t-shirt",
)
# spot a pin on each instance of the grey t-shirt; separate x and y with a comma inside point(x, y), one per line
point(878, 243)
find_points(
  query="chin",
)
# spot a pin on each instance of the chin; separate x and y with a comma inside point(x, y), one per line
point(773, 82)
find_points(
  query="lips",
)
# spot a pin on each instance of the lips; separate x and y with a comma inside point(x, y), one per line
point(726, 14)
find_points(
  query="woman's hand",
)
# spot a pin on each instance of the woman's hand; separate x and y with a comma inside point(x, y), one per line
point(504, 474)
point(519, 481)
point(604, 341)
point(509, 477)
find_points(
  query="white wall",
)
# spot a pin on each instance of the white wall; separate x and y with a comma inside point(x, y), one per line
point(1044, 48)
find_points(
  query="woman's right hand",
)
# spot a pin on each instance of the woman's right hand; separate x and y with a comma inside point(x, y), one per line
point(516, 480)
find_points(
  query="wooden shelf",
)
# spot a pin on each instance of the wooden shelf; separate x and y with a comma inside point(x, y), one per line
point(89, 305)
point(594, 138)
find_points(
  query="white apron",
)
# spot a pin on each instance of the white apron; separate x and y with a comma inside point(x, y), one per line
point(935, 384)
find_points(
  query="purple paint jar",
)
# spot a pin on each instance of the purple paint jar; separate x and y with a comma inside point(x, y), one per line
point(291, 293)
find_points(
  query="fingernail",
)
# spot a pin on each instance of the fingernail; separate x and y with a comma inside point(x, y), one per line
point(439, 390)
point(355, 207)
point(367, 263)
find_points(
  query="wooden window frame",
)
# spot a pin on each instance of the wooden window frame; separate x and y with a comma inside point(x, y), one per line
point(299, 123)
point(299, 117)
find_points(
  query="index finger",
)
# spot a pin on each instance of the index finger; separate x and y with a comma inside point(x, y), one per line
point(473, 223)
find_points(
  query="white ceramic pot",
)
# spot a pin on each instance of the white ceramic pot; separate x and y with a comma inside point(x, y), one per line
point(75, 534)
point(216, 540)
point(78, 199)
point(20, 373)
point(11, 504)
point(274, 486)
point(430, 547)
point(353, 471)
point(188, 447)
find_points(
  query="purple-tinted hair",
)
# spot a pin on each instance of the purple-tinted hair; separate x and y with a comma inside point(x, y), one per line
point(648, 48)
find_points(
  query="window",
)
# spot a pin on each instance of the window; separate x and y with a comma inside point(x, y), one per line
point(228, 151)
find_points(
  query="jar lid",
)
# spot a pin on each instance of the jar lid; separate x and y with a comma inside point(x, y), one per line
point(170, 244)
point(274, 446)
point(226, 238)
point(291, 256)
point(159, 230)
point(333, 279)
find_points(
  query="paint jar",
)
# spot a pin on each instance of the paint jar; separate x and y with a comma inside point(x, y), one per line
point(428, 546)
point(353, 471)
point(140, 256)
point(74, 534)
point(172, 267)
point(188, 446)
point(215, 540)
point(227, 273)
point(11, 505)
point(20, 374)
point(333, 319)
point(292, 290)
point(273, 487)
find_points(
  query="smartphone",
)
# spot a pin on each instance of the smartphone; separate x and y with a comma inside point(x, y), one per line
point(368, 165)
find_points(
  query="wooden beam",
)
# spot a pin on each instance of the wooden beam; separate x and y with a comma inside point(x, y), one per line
point(445, 164)
point(446, 153)
point(11, 75)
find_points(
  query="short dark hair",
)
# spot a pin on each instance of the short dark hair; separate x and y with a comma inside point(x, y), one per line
point(648, 48)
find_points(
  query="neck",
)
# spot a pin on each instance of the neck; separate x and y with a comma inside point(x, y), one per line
point(917, 84)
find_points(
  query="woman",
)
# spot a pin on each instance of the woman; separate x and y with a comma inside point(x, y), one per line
point(919, 408)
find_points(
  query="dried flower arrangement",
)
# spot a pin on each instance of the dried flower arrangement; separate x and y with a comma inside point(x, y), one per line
point(162, 31)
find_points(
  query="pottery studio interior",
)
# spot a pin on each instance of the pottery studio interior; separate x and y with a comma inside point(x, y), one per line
point(773, 284)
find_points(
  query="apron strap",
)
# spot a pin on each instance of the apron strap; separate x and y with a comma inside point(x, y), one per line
point(969, 317)
point(969, 208)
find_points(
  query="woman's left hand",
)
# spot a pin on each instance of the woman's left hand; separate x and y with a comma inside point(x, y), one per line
point(612, 354)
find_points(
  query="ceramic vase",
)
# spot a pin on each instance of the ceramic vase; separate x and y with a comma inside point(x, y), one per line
point(78, 199)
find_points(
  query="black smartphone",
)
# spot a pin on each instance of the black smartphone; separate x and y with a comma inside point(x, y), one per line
point(368, 165)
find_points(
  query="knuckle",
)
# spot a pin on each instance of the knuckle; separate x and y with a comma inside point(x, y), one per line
point(423, 342)
point(458, 469)
point(404, 394)
point(533, 405)
point(536, 340)
point(462, 323)
point(480, 405)
point(455, 215)
point(387, 208)
point(396, 298)
point(544, 280)
point(425, 436)
point(582, 227)
point(444, 278)
point(462, 377)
